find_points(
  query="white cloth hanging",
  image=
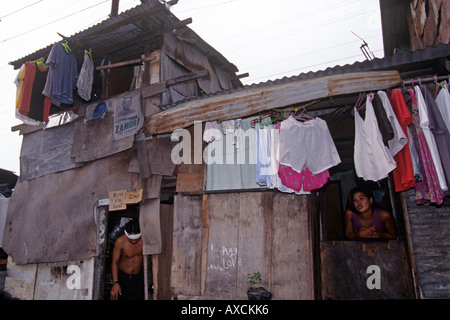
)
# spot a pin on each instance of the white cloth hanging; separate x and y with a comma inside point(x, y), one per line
point(373, 161)
point(443, 103)
point(307, 143)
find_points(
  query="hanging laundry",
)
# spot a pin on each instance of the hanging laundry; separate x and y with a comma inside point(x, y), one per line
point(429, 137)
point(30, 101)
point(18, 81)
point(229, 167)
point(385, 127)
point(428, 189)
point(212, 132)
point(403, 175)
point(86, 77)
point(307, 143)
point(267, 164)
point(372, 158)
point(443, 104)
point(304, 180)
point(62, 75)
point(228, 126)
point(399, 140)
point(265, 156)
point(439, 131)
point(413, 146)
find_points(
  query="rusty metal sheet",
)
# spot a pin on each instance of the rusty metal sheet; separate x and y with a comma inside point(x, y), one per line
point(251, 100)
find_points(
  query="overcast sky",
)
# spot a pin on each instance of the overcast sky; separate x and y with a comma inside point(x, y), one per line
point(266, 38)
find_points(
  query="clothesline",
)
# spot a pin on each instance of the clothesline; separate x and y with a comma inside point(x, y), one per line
point(424, 80)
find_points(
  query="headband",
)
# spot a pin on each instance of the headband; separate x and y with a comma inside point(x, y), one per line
point(132, 236)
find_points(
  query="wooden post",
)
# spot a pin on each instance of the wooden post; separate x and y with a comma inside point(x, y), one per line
point(410, 246)
point(114, 8)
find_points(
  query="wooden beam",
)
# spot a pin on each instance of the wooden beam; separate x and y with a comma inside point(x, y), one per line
point(248, 101)
point(124, 63)
point(160, 87)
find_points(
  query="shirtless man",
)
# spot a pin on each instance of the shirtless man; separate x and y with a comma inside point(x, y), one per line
point(126, 267)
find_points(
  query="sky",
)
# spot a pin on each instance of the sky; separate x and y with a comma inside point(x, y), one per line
point(265, 38)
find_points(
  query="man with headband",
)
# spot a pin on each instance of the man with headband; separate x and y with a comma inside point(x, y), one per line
point(126, 268)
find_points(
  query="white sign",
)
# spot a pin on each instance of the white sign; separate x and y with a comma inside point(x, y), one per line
point(128, 117)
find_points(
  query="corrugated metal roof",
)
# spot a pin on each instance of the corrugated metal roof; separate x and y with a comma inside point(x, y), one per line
point(125, 36)
point(405, 62)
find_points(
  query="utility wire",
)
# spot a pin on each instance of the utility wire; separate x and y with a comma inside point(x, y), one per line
point(309, 53)
point(310, 66)
point(294, 32)
point(49, 23)
point(288, 20)
point(18, 10)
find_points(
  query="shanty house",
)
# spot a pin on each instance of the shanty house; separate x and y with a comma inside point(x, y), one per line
point(206, 222)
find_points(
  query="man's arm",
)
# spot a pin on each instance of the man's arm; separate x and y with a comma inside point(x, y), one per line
point(116, 289)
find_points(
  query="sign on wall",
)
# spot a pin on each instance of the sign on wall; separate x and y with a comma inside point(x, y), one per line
point(119, 199)
point(128, 117)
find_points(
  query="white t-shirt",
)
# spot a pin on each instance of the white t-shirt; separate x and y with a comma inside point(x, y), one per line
point(373, 161)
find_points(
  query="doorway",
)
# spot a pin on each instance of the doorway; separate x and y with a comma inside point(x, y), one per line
point(116, 222)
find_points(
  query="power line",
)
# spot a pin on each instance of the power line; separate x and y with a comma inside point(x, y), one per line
point(310, 52)
point(49, 23)
point(294, 32)
point(310, 66)
point(288, 20)
point(18, 10)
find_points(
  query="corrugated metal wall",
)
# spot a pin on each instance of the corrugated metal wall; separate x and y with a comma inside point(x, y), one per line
point(430, 229)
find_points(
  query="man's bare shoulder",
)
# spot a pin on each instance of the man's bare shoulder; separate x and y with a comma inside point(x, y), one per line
point(120, 241)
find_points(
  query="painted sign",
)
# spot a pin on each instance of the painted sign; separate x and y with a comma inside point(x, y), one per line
point(119, 199)
point(128, 117)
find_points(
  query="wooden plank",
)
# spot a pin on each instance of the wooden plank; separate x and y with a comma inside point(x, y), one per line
point(223, 217)
point(331, 212)
point(186, 255)
point(124, 63)
point(94, 139)
point(345, 270)
point(165, 258)
point(242, 103)
point(160, 87)
point(291, 249)
point(189, 182)
point(143, 160)
point(159, 153)
point(205, 242)
point(254, 245)
point(150, 225)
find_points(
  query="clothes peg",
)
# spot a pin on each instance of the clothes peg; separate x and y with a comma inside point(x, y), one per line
point(66, 47)
point(41, 64)
point(89, 53)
